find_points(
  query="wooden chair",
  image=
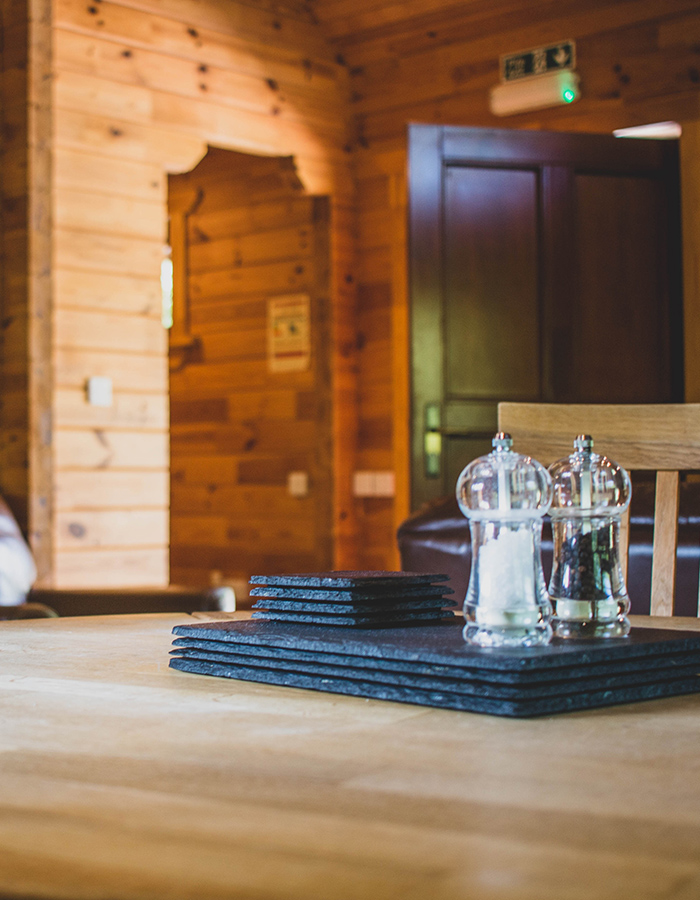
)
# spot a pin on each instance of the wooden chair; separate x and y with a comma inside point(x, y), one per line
point(664, 438)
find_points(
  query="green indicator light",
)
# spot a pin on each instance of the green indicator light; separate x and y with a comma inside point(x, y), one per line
point(569, 96)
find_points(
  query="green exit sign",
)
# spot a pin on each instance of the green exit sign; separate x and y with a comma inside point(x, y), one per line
point(538, 61)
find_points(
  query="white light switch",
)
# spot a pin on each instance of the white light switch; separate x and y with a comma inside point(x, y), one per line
point(298, 484)
point(99, 391)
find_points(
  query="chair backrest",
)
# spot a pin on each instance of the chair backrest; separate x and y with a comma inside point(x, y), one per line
point(664, 438)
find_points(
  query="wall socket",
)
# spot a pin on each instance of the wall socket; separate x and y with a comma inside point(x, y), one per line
point(98, 390)
point(372, 483)
point(298, 484)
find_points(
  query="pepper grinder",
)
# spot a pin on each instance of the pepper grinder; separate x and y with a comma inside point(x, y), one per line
point(505, 495)
point(587, 587)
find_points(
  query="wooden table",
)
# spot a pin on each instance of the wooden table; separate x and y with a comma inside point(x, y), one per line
point(121, 778)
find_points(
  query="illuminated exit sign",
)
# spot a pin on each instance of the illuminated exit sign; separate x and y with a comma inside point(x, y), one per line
point(538, 61)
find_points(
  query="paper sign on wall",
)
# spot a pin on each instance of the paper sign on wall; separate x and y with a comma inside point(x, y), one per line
point(288, 333)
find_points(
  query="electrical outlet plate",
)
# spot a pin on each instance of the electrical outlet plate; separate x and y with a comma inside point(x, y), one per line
point(298, 484)
point(373, 484)
point(99, 391)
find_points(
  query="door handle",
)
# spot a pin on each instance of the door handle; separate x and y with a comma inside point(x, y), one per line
point(432, 441)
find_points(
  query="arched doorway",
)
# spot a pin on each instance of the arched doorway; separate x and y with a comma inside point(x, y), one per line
point(250, 388)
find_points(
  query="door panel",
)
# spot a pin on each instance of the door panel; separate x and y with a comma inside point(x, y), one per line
point(491, 291)
point(618, 318)
point(543, 267)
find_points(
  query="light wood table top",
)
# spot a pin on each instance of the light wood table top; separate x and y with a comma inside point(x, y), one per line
point(121, 778)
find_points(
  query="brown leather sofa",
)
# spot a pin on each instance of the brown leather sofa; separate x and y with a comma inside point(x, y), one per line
point(436, 539)
point(20, 600)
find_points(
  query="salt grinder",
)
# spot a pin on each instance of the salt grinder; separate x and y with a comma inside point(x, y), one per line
point(587, 587)
point(505, 495)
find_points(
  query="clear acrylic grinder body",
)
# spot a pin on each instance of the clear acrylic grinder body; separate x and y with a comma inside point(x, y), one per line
point(505, 495)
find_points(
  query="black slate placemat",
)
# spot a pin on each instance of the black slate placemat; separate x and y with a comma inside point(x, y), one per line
point(474, 686)
point(444, 699)
point(635, 666)
point(442, 644)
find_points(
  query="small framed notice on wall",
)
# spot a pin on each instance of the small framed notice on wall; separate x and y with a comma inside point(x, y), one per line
point(289, 333)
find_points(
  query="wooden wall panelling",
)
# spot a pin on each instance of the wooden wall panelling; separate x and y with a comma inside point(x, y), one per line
point(636, 65)
point(104, 450)
point(106, 136)
point(137, 294)
point(25, 448)
point(237, 428)
point(107, 323)
point(83, 171)
point(116, 567)
point(636, 62)
point(262, 50)
point(240, 80)
point(134, 373)
point(130, 410)
point(14, 364)
point(487, 28)
point(345, 413)
point(111, 528)
point(281, 90)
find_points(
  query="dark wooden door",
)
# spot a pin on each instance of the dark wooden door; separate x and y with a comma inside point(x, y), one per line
point(544, 267)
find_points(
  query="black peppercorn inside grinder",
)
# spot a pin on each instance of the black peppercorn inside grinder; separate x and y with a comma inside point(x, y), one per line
point(587, 587)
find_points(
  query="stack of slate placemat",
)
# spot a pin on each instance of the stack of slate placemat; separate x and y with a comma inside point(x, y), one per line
point(352, 599)
point(432, 665)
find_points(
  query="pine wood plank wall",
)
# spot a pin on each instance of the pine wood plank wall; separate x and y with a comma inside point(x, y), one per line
point(141, 88)
point(239, 428)
point(26, 465)
point(14, 346)
point(638, 63)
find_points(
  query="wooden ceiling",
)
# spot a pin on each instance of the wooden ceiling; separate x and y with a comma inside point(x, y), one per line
point(391, 26)
point(358, 21)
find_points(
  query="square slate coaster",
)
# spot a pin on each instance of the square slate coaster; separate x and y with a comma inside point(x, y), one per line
point(375, 619)
point(334, 606)
point(443, 699)
point(348, 579)
point(377, 594)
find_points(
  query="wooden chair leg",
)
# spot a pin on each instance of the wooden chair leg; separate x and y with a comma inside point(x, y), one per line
point(663, 572)
point(624, 543)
